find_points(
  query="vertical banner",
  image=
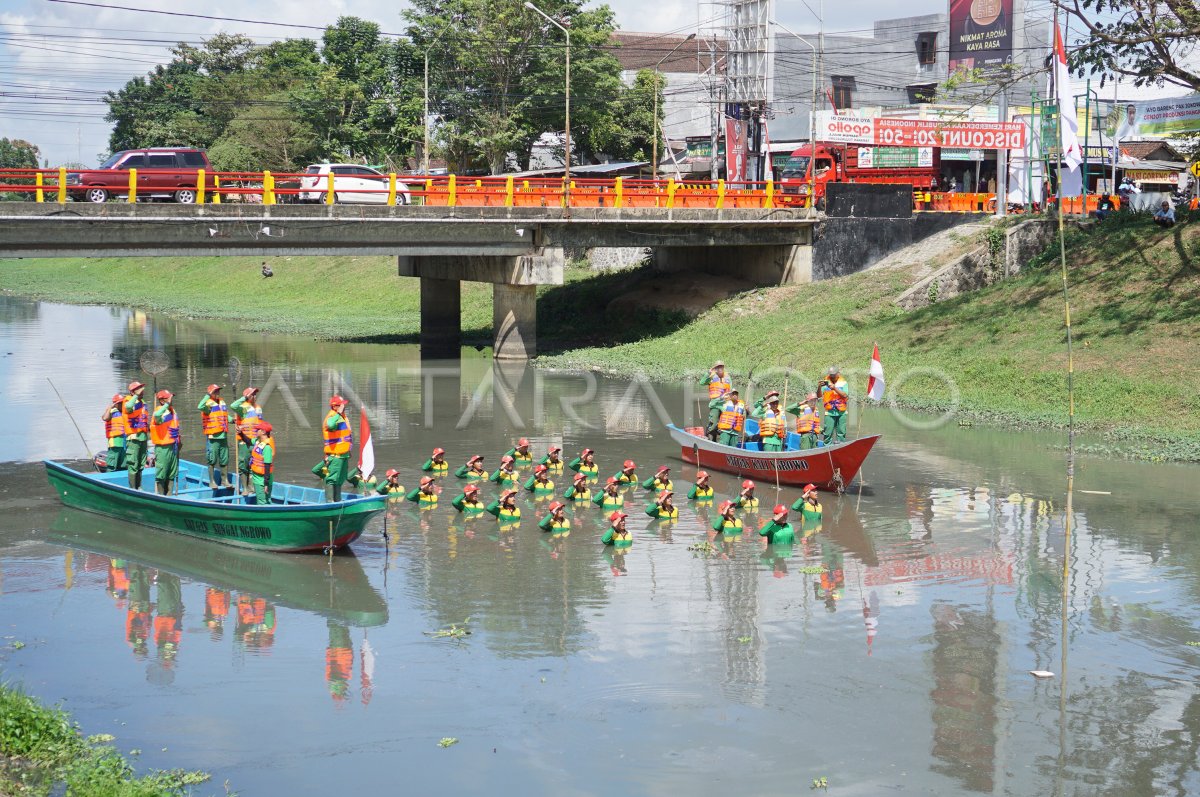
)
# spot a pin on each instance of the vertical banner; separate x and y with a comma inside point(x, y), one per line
point(981, 35)
point(768, 164)
point(735, 150)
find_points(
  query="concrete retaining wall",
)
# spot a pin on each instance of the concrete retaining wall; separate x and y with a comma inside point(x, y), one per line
point(848, 245)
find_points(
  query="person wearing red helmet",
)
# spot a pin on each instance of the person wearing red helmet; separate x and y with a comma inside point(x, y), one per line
point(556, 522)
point(437, 464)
point(701, 490)
point(425, 495)
point(585, 463)
point(164, 434)
point(808, 504)
point(578, 491)
point(262, 463)
point(114, 432)
point(391, 484)
point(468, 503)
point(746, 499)
point(610, 497)
point(137, 425)
point(506, 473)
point(627, 474)
point(727, 522)
point(338, 440)
point(214, 416)
point(553, 459)
point(473, 470)
point(616, 534)
point(662, 508)
point(777, 530)
point(505, 508)
point(539, 483)
point(661, 480)
point(520, 453)
point(247, 416)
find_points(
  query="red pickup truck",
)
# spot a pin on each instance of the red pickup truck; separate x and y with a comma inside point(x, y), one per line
point(162, 173)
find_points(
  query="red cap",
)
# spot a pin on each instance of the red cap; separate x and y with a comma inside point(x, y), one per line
point(610, 480)
point(164, 394)
point(615, 516)
point(808, 488)
point(554, 448)
point(438, 451)
point(522, 442)
point(540, 469)
point(772, 393)
point(134, 385)
point(471, 488)
point(426, 480)
point(117, 397)
point(506, 493)
point(580, 477)
point(586, 451)
point(250, 391)
point(747, 485)
point(811, 397)
point(725, 507)
point(504, 460)
point(392, 472)
point(337, 401)
point(557, 505)
point(666, 494)
point(701, 474)
point(475, 458)
point(212, 389)
point(780, 509)
point(662, 469)
point(263, 426)
point(629, 464)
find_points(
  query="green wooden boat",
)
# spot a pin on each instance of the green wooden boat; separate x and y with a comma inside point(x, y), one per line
point(297, 519)
point(337, 590)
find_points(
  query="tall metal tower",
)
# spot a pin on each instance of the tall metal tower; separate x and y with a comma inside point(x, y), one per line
point(749, 76)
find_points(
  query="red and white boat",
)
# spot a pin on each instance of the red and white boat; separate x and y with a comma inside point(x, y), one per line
point(829, 467)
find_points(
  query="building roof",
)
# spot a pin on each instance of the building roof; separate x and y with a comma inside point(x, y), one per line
point(644, 50)
point(1151, 150)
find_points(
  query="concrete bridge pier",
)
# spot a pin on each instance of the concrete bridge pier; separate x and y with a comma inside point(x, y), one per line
point(514, 280)
point(777, 264)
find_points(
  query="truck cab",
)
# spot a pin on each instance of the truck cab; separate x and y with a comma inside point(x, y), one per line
point(806, 174)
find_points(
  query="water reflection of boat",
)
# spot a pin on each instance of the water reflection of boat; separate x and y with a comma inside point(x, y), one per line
point(307, 583)
point(297, 519)
point(829, 467)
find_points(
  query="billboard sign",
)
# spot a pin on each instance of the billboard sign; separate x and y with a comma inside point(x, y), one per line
point(736, 150)
point(891, 132)
point(1155, 118)
point(981, 35)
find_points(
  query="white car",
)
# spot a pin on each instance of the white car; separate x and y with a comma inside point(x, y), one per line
point(351, 183)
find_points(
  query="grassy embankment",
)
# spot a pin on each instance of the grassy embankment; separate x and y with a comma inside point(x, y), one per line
point(1136, 316)
point(40, 748)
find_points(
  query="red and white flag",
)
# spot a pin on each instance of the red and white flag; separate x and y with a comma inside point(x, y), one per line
point(875, 381)
point(1068, 122)
point(366, 452)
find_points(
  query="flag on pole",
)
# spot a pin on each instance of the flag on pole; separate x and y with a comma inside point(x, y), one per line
point(1068, 122)
point(875, 381)
point(366, 452)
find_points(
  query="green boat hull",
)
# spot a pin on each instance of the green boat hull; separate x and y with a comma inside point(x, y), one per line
point(298, 519)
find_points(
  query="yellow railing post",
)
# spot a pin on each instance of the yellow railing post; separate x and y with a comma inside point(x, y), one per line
point(268, 189)
point(392, 188)
point(216, 189)
point(525, 186)
point(62, 185)
point(428, 190)
point(508, 191)
point(671, 193)
point(200, 186)
point(329, 195)
point(452, 188)
point(620, 192)
point(769, 199)
point(133, 185)
point(720, 194)
point(41, 195)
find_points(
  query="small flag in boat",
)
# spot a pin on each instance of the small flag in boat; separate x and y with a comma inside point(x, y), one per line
point(366, 454)
point(875, 382)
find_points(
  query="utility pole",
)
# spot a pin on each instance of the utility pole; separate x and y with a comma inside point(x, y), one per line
point(714, 111)
point(425, 149)
point(1002, 162)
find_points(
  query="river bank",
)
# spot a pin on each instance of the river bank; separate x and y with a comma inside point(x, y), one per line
point(997, 355)
point(41, 748)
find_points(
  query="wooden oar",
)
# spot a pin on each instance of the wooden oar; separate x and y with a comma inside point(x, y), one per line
point(78, 431)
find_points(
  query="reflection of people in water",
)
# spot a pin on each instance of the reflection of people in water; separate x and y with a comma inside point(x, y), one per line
point(871, 618)
point(616, 560)
point(137, 616)
point(833, 576)
point(367, 664)
point(255, 621)
point(339, 661)
point(216, 609)
point(168, 624)
point(118, 581)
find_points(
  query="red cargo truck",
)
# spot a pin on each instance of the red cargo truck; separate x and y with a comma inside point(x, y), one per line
point(854, 163)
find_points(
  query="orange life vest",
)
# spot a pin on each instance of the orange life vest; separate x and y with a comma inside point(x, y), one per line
point(733, 417)
point(834, 401)
point(718, 386)
point(216, 420)
point(114, 425)
point(258, 463)
point(251, 418)
point(216, 602)
point(166, 431)
point(772, 424)
point(138, 420)
point(808, 420)
point(340, 439)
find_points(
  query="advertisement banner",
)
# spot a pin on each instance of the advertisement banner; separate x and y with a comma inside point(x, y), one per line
point(981, 35)
point(1163, 117)
point(889, 132)
point(736, 153)
point(894, 157)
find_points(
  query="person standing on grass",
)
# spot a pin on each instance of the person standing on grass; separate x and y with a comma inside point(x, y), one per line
point(835, 395)
point(214, 415)
point(114, 433)
point(338, 440)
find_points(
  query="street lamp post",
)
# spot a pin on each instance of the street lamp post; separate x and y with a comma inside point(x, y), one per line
point(812, 120)
point(567, 33)
point(654, 150)
point(425, 150)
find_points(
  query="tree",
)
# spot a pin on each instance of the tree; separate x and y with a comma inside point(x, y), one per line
point(1149, 40)
point(16, 153)
point(272, 137)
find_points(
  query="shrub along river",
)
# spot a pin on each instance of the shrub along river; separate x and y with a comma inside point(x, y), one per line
point(888, 651)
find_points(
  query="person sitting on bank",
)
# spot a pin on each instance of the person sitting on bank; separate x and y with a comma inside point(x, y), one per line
point(553, 459)
point(436, 464)
point(727, 522)
point(426, 494)
point(610, 497)
point(578, 491)
point(661, 480)
point(114, 432)
point(1105, 207)
point(539, 483)
point(468, 503)
point(1165, 215)
point(808, 504)
point(627, 474)
point(473, 470)
point(701, 490)
point(616, 534)
point(662, 508)
point(746, 499)
point(555, 520)
point(505, 507)
point(585, 463)
point(506, 473)
point(777, 530)
point(808, 421)
point(520, 452)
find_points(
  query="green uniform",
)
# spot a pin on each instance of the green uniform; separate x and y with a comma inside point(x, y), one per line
point(834, 423)
point(659, 512)
point(217, 449)
point(723, 525)
point(807, 509)
point(135, 446)
point(623, 479)
point(714, 413)
point(473, 475)
point(617, 539)
point(778, 533)
point(746, 502)
point(424, 499)
point(238, 410)
point(573, 494)
point(698, 493)
point(166, 458)
point(558, 527)
point(502, 513)
point(263, 482)
point(607, 501)
point(520, 459)
point(473, 507)
point(354, 477)
point(502, 476)
point(591, 471)
point(114, 459)
point(538, 487)
point(554, 466)
point(435, 467)
point(338, 466)
point(807, 439)
point(657, 485)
